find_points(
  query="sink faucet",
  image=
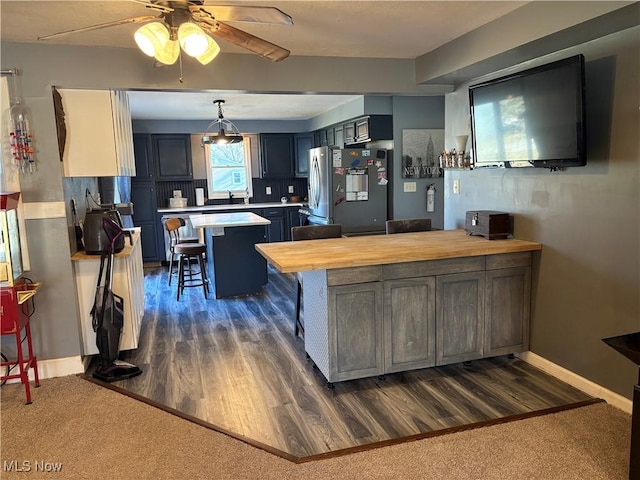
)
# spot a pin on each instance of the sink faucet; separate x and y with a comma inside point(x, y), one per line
point(230, 196)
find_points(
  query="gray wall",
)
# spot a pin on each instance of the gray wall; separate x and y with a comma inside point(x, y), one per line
point(587, 218)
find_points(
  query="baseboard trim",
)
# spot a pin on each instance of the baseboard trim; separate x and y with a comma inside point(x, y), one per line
point(57, 367)
point(575, 380)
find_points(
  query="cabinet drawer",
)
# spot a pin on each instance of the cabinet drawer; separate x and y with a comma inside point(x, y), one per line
point(433, 267)
point(272, 212)
point(346, 276)
point(508, 260)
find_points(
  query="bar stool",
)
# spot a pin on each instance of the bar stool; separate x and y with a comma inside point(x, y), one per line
point(172, 225)
point(310, 232)
point(187, 277)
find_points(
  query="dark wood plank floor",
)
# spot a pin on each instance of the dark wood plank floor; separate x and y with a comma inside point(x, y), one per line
point(235, 364)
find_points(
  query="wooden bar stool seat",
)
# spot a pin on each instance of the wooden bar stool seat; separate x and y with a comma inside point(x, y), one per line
point(173, 225)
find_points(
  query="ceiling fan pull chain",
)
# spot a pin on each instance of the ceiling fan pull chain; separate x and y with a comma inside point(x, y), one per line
point(181, 79)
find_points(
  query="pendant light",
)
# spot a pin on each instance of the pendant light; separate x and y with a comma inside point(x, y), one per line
point(223, 131)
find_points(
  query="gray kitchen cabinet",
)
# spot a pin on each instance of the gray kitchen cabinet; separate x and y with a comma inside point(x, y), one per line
point(355, 323)
point(275, 230)
point(460, 317)
point(349, 132)
point(507, 304)
point(172, 155)
point(276, 155)
point(303, 143)
point(338, 139)
point(409, 324)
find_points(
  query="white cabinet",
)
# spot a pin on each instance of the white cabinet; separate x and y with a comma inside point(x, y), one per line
point(99, 136)
point(128, 282)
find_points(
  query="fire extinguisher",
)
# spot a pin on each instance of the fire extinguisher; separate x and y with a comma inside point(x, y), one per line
point(431, 197)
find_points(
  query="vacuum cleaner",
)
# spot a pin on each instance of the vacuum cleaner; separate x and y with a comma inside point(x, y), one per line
point(107, 314)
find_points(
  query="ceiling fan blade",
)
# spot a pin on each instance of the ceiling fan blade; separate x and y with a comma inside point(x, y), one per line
point(124, 21)
point(238, 13)
point(153, 6)
point(252, 43)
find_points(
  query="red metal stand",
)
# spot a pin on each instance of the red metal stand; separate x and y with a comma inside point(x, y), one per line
point(13, 321)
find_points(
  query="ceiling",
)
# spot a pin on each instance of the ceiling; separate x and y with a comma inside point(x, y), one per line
point(374, 29)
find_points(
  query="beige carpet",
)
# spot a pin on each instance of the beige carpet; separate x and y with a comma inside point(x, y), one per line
point(94, 432)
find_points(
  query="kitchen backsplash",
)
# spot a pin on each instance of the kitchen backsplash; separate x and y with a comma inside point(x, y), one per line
point(279, 188)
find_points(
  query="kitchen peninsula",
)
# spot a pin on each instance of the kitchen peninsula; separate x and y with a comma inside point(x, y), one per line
point(237, 269)
point(389, 303)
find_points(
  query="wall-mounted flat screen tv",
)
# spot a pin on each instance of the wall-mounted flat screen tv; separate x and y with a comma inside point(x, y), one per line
point(534, 118)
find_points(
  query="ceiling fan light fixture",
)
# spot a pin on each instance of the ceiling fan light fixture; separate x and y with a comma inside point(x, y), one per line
point(151, 38)
point(192, 39)
point(212, 51)
point(168, 55)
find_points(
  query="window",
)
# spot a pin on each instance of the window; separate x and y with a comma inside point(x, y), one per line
point(229, 169)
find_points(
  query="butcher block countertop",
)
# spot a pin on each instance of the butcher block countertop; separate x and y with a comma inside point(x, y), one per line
point(125, 252)
point(362, 251)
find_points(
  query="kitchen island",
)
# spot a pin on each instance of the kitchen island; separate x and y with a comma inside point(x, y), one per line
point(389, 303)
point(234, 265)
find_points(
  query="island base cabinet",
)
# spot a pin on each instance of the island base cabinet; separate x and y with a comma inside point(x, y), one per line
point(409, 324)
point(460, 317)
point(507, 307)
point(355, 341)
point(343, 327)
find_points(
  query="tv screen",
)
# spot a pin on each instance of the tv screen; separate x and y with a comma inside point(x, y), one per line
point(534, 118)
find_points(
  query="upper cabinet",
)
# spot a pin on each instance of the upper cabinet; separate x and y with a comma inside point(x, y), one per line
point(368, 129)
point(143, 158)
point(277, 155)
point(304, 143)
point(172, 153)
point(94, 130)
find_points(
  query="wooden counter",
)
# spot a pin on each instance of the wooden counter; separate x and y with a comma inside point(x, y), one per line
point(125, 252)
point(389, 303)
point(362, 251)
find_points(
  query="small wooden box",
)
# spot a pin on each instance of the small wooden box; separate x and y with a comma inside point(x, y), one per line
point(489, 224)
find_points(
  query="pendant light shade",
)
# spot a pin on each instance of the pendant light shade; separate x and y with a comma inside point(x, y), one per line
point(212, 51)
point(222, 131)
point(151, 38)
point(192, 39)
point(169, 53)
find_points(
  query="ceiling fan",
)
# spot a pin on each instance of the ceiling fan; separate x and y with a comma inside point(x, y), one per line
point(192, 26)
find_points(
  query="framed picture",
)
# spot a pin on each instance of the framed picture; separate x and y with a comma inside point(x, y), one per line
point(421, 150)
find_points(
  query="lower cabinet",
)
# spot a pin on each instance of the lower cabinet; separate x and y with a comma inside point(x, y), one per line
point(460, 314)
point(507, 312)
point(275, 230)
point(367, 321)
point(409, 324)
point(355, 313)
point(128, 282)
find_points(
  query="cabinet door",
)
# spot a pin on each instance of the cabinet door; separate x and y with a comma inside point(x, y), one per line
point(349, 132)
point(143, 158)
point(331, 137)
point(459, 317)
point(293, 220)
point(507, 305)
point(276, 155)
point(355, 331)
point(362, 130)
point(304, 143)
point(409, 324)
point(275, 231)
point(172, 154)
point(338, 137)
point(143, 196)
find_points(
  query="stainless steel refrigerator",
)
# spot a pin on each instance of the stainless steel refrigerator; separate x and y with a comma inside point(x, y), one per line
point(349, 187)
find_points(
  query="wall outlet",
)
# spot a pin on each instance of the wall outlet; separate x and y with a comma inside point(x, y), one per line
point(290, 188)
point(456, 186)
point(409, 186)
point(268, 190)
